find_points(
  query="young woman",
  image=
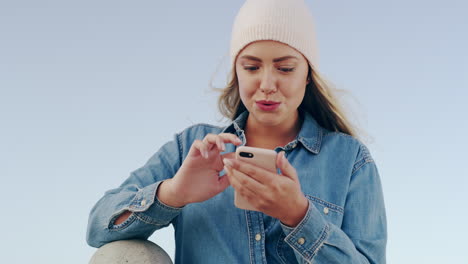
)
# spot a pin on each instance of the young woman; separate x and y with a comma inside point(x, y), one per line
point(326, 205)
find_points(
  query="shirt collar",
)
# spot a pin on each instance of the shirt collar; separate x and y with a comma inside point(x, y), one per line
point(310, 135)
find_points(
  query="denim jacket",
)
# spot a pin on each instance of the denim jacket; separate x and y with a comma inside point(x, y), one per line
point(345, 221)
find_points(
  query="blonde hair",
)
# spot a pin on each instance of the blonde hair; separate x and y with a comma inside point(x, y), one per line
point(319, 101)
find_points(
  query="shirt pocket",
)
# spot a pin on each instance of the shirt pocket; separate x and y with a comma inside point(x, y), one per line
point(331, 212)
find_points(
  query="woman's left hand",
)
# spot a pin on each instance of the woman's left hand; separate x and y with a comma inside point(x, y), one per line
point(278, 196)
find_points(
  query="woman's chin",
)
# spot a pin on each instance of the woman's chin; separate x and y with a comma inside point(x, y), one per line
point(267, 118)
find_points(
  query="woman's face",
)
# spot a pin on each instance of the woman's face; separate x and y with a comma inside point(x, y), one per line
point(272, 80)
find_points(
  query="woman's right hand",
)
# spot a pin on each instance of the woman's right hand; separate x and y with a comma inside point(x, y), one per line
point(198, 180)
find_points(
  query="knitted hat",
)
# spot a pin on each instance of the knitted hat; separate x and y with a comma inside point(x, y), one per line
point(286, 21)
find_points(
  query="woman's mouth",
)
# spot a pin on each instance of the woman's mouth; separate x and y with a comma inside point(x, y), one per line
point(267, 105)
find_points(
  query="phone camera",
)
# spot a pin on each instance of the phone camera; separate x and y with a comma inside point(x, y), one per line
point(246, 154)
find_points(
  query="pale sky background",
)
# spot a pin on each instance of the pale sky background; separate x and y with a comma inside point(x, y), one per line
point(89, 90)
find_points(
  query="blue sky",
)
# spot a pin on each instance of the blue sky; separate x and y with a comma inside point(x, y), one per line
point(89, 90)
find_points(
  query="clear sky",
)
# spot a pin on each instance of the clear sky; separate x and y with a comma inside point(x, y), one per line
point(89, 90)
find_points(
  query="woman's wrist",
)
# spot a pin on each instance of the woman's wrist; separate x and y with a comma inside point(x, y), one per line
point(167, 196)
point(296, 216)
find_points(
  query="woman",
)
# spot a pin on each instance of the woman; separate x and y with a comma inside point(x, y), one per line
point(326, 205)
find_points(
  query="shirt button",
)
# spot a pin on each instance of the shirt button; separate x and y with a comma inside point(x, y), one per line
point(258, 237)
point(301, 241)
point(325, 210)
point(143, 203)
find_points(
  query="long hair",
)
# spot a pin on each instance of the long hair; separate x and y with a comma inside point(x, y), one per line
point(319, 101)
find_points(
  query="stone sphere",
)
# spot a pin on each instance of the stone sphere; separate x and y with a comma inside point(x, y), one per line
point(130, 251)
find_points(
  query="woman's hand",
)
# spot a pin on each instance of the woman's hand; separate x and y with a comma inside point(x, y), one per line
point(278, 196)
point(198, 178)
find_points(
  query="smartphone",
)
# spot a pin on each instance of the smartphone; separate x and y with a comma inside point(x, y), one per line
point(265, 158)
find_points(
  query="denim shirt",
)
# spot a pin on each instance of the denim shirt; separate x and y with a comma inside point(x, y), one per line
point(345, 221)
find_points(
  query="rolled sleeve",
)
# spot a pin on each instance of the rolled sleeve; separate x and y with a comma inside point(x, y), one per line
point(156, 212)
point(146, 207)
point(309, 235)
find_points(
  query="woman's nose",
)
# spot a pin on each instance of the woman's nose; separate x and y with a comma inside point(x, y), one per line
point(268, 83)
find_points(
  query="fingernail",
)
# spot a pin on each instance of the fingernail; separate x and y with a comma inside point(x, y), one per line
point(205, 154)
point(228, 162)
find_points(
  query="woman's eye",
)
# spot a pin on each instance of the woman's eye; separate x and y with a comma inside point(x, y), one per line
point(251, 68)
point(286, 69)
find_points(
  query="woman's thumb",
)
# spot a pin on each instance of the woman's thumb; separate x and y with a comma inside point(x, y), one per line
point(230, 155)
point(286, 168)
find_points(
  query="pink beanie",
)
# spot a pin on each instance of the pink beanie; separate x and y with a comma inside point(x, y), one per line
point(286, 21)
